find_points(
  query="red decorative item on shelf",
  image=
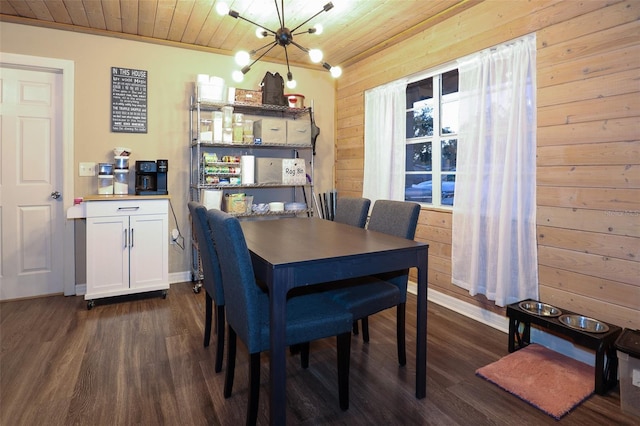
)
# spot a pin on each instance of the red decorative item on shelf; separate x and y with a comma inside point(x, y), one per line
point(295, 100)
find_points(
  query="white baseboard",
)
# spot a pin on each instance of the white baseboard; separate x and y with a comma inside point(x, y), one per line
point(501, 323)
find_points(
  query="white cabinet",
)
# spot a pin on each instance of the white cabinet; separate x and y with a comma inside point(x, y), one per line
point(127, 247)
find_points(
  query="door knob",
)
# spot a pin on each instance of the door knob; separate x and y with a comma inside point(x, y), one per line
point(55, 195)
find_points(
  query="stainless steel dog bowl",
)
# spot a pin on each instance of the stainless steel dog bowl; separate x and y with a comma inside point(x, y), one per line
point(539, 308)
point(583, 323)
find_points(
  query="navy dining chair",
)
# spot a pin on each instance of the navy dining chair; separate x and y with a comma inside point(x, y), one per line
point(212, 279)
point(369, 295)
point(308, 317)
point(352, 211)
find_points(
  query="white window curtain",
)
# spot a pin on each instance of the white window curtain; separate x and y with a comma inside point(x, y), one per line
point(494, 216)
point(384, 142)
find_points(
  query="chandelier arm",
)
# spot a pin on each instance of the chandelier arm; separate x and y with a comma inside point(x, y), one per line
point(286, 55)
point(273, 44)
point(236, 15)
point(304, 49)
point(254, 51)
point(326, 8)
point(301, 32)
point(280, 17)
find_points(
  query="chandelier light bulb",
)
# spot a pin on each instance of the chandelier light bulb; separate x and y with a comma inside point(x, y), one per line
point(237, 76)
point(319, 28)
point(222, 8)
point(242, 58)
point(291, 84)
point(261, 32)
point(315, 55)
point(335, 72)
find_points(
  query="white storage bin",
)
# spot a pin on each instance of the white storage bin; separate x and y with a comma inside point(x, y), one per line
point(268, 170)
point(270, 130)
point(298, 132)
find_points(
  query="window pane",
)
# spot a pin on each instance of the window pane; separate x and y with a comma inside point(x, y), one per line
point(450, 82)
point(418, 187)
point(449, 152)
point(418, 157)
point(449, 109)
point(420, 121)
point(419, 91)
point(448, 189)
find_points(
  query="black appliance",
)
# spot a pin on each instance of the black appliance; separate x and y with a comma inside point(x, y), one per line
point(151, 177)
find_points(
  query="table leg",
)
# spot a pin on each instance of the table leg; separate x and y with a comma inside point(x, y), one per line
point(421, 327)
point(277, 370)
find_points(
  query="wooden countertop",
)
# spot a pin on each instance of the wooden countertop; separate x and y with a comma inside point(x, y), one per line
point(112, 197)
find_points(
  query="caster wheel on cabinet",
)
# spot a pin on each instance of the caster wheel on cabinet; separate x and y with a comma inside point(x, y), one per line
point(164, 294)
point(196, 289)
point(90, 304)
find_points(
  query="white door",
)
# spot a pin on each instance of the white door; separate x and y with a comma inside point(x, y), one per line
point(32, 218)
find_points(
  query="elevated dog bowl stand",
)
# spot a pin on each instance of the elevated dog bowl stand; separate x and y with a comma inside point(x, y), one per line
point(602, 343)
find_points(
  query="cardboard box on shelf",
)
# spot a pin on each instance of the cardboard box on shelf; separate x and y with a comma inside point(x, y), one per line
point(253, 97)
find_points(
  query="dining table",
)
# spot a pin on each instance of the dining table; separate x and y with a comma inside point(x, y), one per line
point(305, 251)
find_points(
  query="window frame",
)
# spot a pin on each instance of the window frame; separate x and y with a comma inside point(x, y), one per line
point(437, 138)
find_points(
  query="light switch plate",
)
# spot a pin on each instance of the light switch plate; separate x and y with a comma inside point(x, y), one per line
point(87, 169)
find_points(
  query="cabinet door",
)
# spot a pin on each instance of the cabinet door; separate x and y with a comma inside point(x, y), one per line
point(149, 251)
point(107, 255)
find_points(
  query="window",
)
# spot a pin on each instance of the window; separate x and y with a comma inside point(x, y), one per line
point(431, 139)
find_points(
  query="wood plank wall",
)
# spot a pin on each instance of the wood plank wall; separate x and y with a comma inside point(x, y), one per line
point(588, 155)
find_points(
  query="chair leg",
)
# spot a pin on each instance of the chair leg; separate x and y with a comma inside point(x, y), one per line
point(207, 319)
point(304, 354)
point(231, 363)
point(400, 328)
point(220, 337)
point(344, 357)
point(355, 328)
point(254, 389)
point(365, 329)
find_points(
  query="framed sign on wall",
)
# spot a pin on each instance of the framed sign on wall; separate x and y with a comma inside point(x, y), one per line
point(128, 100)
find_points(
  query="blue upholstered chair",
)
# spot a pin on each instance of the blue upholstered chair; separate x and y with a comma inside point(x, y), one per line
point(212, 279)
point(369, 295)
point(309, 317)
point(352, 211)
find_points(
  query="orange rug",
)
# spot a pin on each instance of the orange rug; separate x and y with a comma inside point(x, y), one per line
point(550, 381)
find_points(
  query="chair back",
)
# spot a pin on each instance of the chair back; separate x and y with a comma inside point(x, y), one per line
point(242, 294)
point(398, 218)
point(212, 281)
point(352, 211)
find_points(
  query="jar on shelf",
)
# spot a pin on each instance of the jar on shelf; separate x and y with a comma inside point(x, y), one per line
point(237, 132)
point(227, 116)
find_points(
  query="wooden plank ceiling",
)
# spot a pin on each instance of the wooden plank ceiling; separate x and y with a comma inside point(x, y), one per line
point(353, 29)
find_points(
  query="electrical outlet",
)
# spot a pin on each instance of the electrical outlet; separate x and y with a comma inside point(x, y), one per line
point(87, 169)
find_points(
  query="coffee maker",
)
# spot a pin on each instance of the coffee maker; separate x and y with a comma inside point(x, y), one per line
point(151, 177)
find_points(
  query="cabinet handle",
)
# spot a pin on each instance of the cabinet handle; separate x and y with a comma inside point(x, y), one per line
point(127, 208)
point(131, 237)
point(126, 236)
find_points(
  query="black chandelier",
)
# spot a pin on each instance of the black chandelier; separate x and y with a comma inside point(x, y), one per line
point(283, 37)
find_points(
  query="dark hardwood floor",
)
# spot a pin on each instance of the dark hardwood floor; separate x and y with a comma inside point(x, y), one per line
point(141, 361)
